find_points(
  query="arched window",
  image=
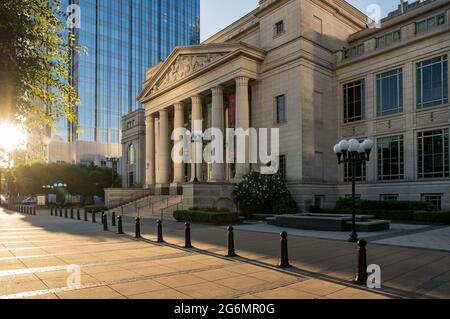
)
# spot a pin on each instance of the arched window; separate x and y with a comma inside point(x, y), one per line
point(131, 155)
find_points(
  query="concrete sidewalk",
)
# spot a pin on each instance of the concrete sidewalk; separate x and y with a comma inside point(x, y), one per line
point(36, 250)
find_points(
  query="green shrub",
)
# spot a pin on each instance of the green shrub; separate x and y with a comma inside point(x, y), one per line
point(432, 217)
point(259, 193)
point(210, 209)
point(206, 216)
point(285, 205)
point(345, 204)
point(95, 208)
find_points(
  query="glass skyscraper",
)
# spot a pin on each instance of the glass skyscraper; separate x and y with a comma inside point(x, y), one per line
point(123, 39)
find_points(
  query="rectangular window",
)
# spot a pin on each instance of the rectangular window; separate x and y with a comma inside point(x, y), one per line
point(354, 101)
point(353, 51)
point(390, 158)
point(389, 197)
point(432, 82)
point(435, 199)
point(433, 152)
point(281, 109)
point(388, 39)
point(390, 92)
point(279, 28)
point(282, 166)
point(430, 23)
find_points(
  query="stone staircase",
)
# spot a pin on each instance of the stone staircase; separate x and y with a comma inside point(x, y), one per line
point(153, 206)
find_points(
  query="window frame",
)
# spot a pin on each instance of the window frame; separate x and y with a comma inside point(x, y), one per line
point(276, 30)
point(419, 66)
point(277, 119)
point(345, 88)
point(400, 90)
point(401, 158)
point(385, 36)
point(421, 171)
point(424, 197)
point(427, 19)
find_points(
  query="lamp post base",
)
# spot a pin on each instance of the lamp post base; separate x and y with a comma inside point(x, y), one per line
point(353, 238)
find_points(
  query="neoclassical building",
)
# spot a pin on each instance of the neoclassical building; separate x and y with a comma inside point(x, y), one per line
point(317, 71)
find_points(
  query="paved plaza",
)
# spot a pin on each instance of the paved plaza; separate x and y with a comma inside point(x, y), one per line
point(37, 251)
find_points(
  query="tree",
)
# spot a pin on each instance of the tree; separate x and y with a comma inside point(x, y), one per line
point(86, 181)
point(35, 63)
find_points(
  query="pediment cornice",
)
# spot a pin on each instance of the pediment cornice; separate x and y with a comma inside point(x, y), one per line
point(185, 63)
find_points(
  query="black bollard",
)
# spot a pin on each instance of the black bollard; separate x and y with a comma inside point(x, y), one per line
point(71, 213)
point(119, 225)
point(284, 257)
point(34, 210)
point(138, 228)
point(60, 212)
point(231, 252)
point(85, 215)
point(187, 237)
point(113, 219)
point(78, 214)
point(361, 276)
point(93, 217)
point(51, 211)
point(160, 231)
point(65, 213)
point(105, 222)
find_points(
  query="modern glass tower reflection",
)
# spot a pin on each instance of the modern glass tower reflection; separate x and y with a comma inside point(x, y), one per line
point(123, 39)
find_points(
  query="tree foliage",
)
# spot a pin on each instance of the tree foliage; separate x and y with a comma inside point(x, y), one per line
point(81, 180)
point(35, 62)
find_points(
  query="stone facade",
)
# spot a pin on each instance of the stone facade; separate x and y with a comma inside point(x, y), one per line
point(133, 149)
point(293, 49)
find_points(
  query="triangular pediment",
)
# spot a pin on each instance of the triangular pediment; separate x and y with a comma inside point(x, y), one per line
point(186, 62)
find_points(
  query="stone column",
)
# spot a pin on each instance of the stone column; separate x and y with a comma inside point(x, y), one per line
point(243, 122)
point(218, 169)
point(178, 168)
point(150, 151)
point(197, 115)
point(164, 152)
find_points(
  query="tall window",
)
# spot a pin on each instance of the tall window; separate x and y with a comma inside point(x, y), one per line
point(390, 158)
point(354, 101)
point(390, 92)
point(430, 23)
point(433, 151)
point(281, 108)
point(432, 82)
point(131, 155)
point(279, 28)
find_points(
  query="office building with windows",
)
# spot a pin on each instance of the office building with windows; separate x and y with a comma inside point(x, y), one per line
point(123, 39)
point(316, 70)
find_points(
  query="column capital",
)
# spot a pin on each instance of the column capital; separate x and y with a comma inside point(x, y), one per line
point(242, 81)
point(150, 117)
point(217, 90)
point(197, 99)
point(179, 106)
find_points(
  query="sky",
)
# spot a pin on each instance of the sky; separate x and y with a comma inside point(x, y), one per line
point(217, 14)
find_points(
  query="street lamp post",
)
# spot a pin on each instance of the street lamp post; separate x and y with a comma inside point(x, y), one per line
point(353, 152)
point(47, 189)
point(196, 138)
point(113, 160)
